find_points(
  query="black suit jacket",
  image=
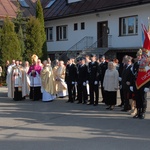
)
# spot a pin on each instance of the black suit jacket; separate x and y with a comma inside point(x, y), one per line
point(102, 69)
point(126, 77)
point(82, 74)
point(93, 72)
point(134, 73)
point(71, 73)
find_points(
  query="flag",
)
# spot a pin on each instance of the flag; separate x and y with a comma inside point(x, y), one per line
point(146, 43)
point(142, 78)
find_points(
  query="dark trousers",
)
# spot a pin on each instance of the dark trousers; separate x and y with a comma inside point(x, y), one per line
point(71, 92)
point(141, 99)
point(110, 97)
point(77, 93)
point(17, 94)
point(82, 93)
point(94, 89)
point(35, 93)
point(126, 96)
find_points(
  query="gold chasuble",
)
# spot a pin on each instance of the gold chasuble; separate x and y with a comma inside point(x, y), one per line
point(47, 79)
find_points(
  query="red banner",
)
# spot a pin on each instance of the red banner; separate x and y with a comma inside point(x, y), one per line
point(142, 78)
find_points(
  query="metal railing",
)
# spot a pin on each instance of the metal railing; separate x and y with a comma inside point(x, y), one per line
point(83, 44)
point(104, 42)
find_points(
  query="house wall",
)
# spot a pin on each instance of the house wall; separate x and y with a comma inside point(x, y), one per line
point(91, 20)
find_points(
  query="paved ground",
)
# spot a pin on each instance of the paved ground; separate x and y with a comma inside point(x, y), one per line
point(28, 125)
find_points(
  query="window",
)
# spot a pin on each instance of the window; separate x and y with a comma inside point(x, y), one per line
point(129, 25)
point(50, 4)
point(23, 3)
point(61, 32)
point(82, 25)
point(49, 34)
point(75, 26)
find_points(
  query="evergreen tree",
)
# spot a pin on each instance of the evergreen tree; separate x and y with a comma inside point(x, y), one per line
point(33, 41)
point(20, 23)
point(19, 20)
point(21, 41)
point(9, 43)
point(40, 17)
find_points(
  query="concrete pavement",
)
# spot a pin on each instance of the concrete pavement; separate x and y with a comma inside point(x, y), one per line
point(57, 125)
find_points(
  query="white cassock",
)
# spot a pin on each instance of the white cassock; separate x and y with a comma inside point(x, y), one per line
point(61, 85)
point(48, 87)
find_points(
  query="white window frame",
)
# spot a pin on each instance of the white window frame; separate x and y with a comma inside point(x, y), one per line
point(83, 23)
point(125, 29)
point(62, 33)
point(49, 33)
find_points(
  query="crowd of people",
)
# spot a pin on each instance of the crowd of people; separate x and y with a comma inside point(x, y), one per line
point(80, 80)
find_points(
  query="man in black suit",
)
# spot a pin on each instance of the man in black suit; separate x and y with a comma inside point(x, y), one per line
point(140, 90)
point(133, 89)
point(93, 80)
point(78, 64)
point(126, 75)
point(71, 79)
point(82, 81)
point(102, 68)
point(122, 66)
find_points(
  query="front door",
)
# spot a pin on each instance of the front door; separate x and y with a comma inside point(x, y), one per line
point(102, 34)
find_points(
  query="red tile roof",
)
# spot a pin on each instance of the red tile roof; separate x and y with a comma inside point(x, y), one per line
point(7, 8)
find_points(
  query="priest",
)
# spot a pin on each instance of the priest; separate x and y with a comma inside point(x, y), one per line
point(35, 79)
point(48, 85)
point(17, 83)
point(60, 78)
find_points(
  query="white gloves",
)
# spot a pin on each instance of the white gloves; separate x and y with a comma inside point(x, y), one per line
point(84, 84)
point(87, 82)
point(95, 83)
point(74, 83)
point(120, 79)
point(146, 90)
point(128, 83)
point(131, 88)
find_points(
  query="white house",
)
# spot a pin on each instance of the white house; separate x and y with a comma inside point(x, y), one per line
point(103, 27)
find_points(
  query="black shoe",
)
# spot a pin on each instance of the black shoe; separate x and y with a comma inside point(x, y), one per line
point(79, 102)
point(108, 107)
point(136, 116)
point(76, 99)
point(68, 101)
point(89, 104)
point(95, 104)
point(112, 108)
point(61, 96)
point(120, 105)
point(142, 116)
point(83, 102)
